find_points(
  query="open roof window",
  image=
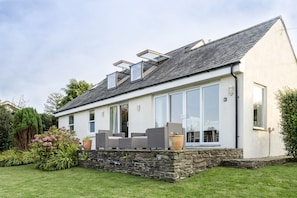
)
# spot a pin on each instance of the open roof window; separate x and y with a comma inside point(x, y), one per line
point(136, 71)
point(152, 55)
point(112, 80)
point(123, 64)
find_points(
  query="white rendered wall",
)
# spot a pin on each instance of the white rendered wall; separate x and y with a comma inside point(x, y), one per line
point(227, 113)
point(270, 63)
point(140, 114)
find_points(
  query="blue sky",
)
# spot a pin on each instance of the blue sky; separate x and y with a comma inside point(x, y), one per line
point(45, 43)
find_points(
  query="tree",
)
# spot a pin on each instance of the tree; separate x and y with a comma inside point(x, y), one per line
point(27, 123)
point(48, 121)
point(74, 89)
point(53, 103)
point(6, 121)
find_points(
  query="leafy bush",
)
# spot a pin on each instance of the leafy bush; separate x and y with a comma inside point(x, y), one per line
point(27, 123)
point(15, 158)
point(55, 149)
point(287, 102)
point(6, 120)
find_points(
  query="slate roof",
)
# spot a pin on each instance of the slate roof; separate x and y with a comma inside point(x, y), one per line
point(183, 62)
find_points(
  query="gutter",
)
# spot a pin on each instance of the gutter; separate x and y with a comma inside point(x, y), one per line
point(236, 105)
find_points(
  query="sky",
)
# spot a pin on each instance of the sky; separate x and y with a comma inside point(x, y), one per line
point(45, 43)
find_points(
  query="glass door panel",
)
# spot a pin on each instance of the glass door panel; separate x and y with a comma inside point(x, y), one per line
point(176, 108)
point(211, 113)
point(124, 119)
point(193, 116)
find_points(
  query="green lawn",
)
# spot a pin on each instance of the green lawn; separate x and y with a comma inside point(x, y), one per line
point(25, 181)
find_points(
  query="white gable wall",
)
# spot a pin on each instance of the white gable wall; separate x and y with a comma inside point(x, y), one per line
point(272, 64)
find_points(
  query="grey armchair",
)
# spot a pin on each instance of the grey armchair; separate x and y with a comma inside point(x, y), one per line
point(158, 138)
point(107, 140)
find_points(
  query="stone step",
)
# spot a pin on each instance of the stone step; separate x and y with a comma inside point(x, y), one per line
point(253, 163)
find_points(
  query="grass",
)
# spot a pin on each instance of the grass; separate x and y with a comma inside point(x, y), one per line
point(26, 181)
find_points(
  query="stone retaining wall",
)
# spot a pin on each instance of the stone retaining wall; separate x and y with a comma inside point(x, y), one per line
point(165, 165)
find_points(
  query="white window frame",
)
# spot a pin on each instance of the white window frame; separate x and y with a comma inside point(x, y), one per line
point(264, 107)
point(184, 91)
point(92, 121)
point(138, 67)
point(112, 80)
point(71, 125)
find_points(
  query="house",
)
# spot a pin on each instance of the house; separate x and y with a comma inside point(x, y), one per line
point(9, 106)
point(223, 92)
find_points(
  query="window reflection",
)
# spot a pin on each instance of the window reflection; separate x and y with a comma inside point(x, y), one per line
point(160, 111)
point(211, 113)
point(193, 115)
point(176, 108)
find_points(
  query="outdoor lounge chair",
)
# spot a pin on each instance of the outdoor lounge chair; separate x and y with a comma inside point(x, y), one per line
point(158, 138)
point(107, 140)
point(136, 141)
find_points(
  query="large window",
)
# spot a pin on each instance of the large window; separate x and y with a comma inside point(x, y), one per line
point(160, 111)
point(197, 109)
point(259, 106)
point(71, 122)
point(92, 121)
point(114, 119)
point(136, 72)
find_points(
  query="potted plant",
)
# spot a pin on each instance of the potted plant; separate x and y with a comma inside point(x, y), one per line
point(177, 141)
point(87, 143)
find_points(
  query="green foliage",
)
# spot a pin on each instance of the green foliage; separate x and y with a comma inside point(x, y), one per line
point(27, 123)
point(74, 89)
point(55, 149)
point(15, 158)
point(287, 102)
point(6, 121)
point(48, 120)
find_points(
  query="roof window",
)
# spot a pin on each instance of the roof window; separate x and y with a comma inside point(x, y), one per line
point(123, 64)
point(136, 71)
point(112, 80)
point(152, 55)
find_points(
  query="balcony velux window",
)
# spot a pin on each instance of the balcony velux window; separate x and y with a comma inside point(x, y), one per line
point(112, 80)
point(136, 71)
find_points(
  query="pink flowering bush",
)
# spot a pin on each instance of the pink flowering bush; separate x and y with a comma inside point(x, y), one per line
point(55, 149)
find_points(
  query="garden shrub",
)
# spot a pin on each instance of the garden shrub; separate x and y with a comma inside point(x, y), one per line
point(287, 102)
point(27, 123)
point(6, 120)
point(15, 158)
point(55, 149)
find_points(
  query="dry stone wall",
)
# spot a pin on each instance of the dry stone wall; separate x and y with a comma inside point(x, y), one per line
point(166, 165)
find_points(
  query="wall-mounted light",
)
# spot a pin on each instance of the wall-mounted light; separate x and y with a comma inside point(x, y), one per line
point(231, 90)
point(138, 107)
point(102, 113)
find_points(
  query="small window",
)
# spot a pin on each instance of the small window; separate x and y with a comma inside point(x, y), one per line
point(112, 80)
point(71, 122)
point(259, 106)
point(92, 121)
point(136, 72)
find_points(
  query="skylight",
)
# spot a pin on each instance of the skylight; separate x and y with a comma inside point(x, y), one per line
point(152, 55)
point(123, 64)
point(112, 80)
point(136, 71)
